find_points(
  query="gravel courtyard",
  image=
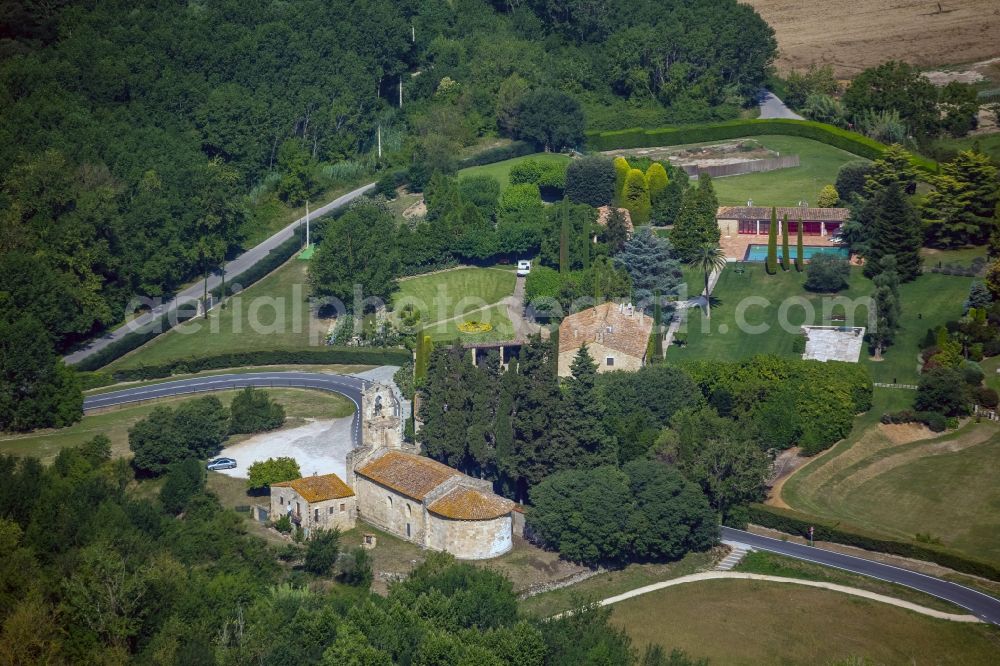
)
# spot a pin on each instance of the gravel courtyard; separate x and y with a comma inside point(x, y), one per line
point(319, 447)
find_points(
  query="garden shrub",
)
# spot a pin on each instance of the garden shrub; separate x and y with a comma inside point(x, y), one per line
point(985, 397)
point(591, 181)
point(92, 380)
point(517, 198)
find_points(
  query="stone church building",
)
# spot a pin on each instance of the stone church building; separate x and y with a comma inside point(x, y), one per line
point(393, 487)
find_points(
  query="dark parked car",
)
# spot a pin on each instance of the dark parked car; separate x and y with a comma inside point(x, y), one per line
point(221, 463)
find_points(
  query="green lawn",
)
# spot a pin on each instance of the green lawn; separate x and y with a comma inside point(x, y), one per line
point(960, 257)
point(115, 423)
point(501, 170)
point(495, 316)
point(271, 314)
point(786, 187)
point(452, 293)
point(753, 622)
point(927, 302)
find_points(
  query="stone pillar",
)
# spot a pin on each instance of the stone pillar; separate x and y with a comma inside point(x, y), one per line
point(473, 350)
point(501, 355)
point(758, 227)
point(822, 228)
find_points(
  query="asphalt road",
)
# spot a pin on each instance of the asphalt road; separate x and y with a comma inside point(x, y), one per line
point(234, 269)
point(981, 605)
point(345, 385)
point(772, 107)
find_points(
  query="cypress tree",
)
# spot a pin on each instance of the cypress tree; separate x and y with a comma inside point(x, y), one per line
point(657, 329)
point(621, 171)
point(799, 261)
point(585, 240)
point(772, 244)
point(635, 197)
point(785, 256)
point(564, 265)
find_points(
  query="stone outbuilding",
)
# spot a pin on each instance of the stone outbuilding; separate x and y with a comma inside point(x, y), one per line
point(616, 335)
point(432, 505)
point(315, 502)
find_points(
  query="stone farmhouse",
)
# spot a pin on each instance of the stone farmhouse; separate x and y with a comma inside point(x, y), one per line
point(616, 335)
point(315, 502)
point(398, 490)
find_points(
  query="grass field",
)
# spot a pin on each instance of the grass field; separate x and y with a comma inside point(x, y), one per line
point(927, 302)
point(946, 488)
point(865, 33)
point(501, 170)
point(271, 314)
point(786, 187)
point(752, 622)
point(115, 423)
point(610, 583)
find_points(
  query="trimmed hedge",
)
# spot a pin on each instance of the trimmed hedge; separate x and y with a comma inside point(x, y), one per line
point(792, 522)
point(499, 154)
point(852, 142)
point(92, 380)
point(327, 355)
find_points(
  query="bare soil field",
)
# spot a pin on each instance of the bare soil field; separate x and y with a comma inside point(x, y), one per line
point(854, 34)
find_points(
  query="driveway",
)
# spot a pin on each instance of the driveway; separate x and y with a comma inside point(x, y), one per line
point(772, 107)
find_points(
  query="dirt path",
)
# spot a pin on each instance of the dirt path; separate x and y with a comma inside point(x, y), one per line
point(731, 575)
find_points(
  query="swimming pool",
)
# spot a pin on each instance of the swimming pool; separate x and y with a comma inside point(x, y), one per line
point(759, 252)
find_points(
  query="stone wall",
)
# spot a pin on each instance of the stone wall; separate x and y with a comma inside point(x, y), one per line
point(599, 353)
point(389, 510)
point(470, 539)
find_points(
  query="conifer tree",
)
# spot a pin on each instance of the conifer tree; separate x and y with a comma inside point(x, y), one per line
point(785, 256)
point(579, 438)
point(799, 252)
point(696, 224)
point(564, 265)
point(961, 208)
point(650, 263)
point(668, 204)
point(635, 197)
point(621, 172)
point(656, 181)
point(895, 230)
point(887, 308)
point(772, 244)
point(657, 333)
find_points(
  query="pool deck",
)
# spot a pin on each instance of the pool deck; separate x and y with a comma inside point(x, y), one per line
point(736, 246)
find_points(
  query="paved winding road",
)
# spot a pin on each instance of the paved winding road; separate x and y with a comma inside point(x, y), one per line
point(772, 107)
point(234, 269)
point(345, 385)
point(981, 605)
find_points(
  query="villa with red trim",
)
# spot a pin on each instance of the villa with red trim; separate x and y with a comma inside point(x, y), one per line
point(756, 220)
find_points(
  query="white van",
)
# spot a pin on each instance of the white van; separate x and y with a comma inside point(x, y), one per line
point(523, 267)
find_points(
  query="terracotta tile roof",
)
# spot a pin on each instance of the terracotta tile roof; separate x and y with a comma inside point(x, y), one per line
point(464, 503)
point(408, 473)
point(318, 488)
point(603, 212)
point(609, 324)
point(793, 213)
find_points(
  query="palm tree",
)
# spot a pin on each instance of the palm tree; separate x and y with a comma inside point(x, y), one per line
point(709, 259)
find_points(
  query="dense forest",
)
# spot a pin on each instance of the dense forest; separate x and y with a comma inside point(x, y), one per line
point(143, 144)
